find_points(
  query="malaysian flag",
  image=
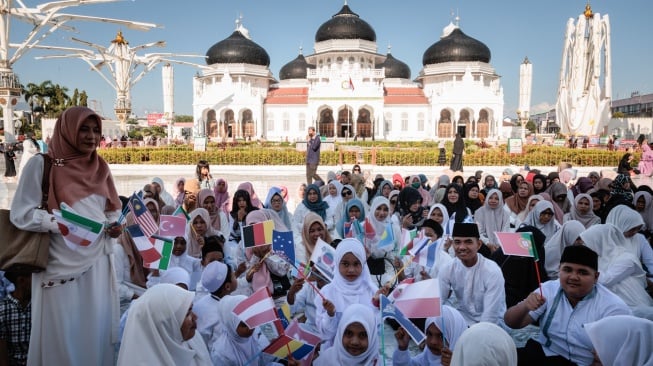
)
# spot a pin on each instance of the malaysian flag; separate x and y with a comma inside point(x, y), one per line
point(142, 216)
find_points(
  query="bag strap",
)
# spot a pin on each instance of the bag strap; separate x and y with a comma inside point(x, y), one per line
point(45, 181)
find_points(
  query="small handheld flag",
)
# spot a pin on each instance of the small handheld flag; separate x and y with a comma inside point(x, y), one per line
point(172, 226)
point(283, 245)
point(258, 234)
point(142, 216)
point(389, 310)
point(407, 237)
point(143, 244)
point(519, 244)
point(77, 231)
point(323, 258)
point(387, 238)
point(257, 309)
point(164, 246)
point(420, 299)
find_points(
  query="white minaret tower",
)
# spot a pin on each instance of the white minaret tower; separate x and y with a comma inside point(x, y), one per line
point(168, 97)
point(525, 89)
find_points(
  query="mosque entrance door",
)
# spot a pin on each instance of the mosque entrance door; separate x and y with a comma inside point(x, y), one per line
point(461, 130)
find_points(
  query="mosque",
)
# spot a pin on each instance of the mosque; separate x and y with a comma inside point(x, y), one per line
point(347, 89)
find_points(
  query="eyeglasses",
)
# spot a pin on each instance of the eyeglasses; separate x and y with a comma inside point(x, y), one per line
point(345, 193)
point(276, 200)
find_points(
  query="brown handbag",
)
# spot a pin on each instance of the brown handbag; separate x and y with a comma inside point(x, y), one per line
point(21, 250)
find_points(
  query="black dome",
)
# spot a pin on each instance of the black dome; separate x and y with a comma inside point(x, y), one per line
point(457, 46)
point(345, 25)
point(395, 68)
point(295, 69)
point(237, 49)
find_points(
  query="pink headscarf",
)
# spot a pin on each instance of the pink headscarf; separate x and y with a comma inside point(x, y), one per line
point(74, 174)
point(221, 196)
point(247, 186)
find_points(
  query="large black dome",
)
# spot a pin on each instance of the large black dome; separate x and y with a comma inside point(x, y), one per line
point(237, 49)
point(395, 68)
point(295, 69)
point(345, 25)
point(457, 46)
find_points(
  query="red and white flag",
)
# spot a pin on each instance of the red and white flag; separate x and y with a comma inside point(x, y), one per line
point(258, 309)
point(172, 226)
point(420, 299)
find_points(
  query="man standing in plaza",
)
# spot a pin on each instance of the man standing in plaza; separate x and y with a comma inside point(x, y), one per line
point(313, 145)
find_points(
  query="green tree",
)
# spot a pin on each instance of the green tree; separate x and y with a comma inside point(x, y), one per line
point(183, 118)
point(74, 99)
point(83, 99)
point(36, 94)
point(531, 126)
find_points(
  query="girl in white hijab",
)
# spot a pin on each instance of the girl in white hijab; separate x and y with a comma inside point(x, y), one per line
point(357, 339)
point(492, 218)
point(379, 217)
point(160, 330)
point(629, 222)
point(344, 290)
point(237, 343)
point(542, 216)
point(566, 236)
point(622, 340)
point(484, 344)
point(453, 324)
point(585, 215)
point(621, 272)
point(333, 197)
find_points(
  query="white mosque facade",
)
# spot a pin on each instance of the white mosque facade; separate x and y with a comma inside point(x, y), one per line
point(347, 89)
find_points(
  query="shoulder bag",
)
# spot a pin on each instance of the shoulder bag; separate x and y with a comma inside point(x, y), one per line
point(21, 250)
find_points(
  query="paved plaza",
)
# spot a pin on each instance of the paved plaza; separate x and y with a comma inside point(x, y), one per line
point(130, 178)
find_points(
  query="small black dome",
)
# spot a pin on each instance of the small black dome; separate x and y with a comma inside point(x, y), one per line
point(395, 68)
point(345, 25)
point(237, 49)
point(295, 69)
point(457, 46)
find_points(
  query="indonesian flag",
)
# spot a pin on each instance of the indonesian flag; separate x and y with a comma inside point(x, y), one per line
point(351, 84)
point(420, 299)
point(390, 310)
point(143, 244)
point(258, 309)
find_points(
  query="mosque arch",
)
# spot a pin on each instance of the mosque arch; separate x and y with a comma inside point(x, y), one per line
point(364, 126)
point(445, 123)
point(248, 127)
point(345, 122)
point(483, 126)
point(325, 122)
point(465, 124)
point(211, 123)
point(229, 122)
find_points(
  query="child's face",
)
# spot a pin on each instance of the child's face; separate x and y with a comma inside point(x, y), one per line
point(212, 257)
point(430, 233)
point(316, 231)
point(209, 204)
point(583, 205)
point(597, 203)
point(538, 184)
point(189, 325)
point(333, 191)
point(381, 212)
point(641, 203)
point(243, 330)
point(354, 339)
point(493, 201)
point(179, 247)
point(350, 267)
point(434, 340)
point(436, 215)
point(354, 212)
point(546, 216)
point(199, 225)
point(205, 171)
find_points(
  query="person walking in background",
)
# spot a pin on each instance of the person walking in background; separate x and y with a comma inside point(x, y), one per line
point(313, 145)
point(10, 166)
point(457, 158)
point(30, 148)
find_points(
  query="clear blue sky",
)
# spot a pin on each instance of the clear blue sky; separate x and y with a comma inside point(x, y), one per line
point(511, 29)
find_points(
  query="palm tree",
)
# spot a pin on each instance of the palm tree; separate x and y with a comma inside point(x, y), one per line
point(36, 94)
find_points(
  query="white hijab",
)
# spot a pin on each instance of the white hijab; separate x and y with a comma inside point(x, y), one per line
point(337, 355)
point(343, 292)
point(379, 226)
point(231, 347)
point(485, 344)
point(153, 330)
point(493, 219)
point(647, 214)
point(445, 217)
point(566, 236)
point(452, 325)
point(587, 219)
point(533, 219)
point(622, 340)
point(625, 218)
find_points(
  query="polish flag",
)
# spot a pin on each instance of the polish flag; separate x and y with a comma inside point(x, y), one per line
point(420, 299)
point(258, 309)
